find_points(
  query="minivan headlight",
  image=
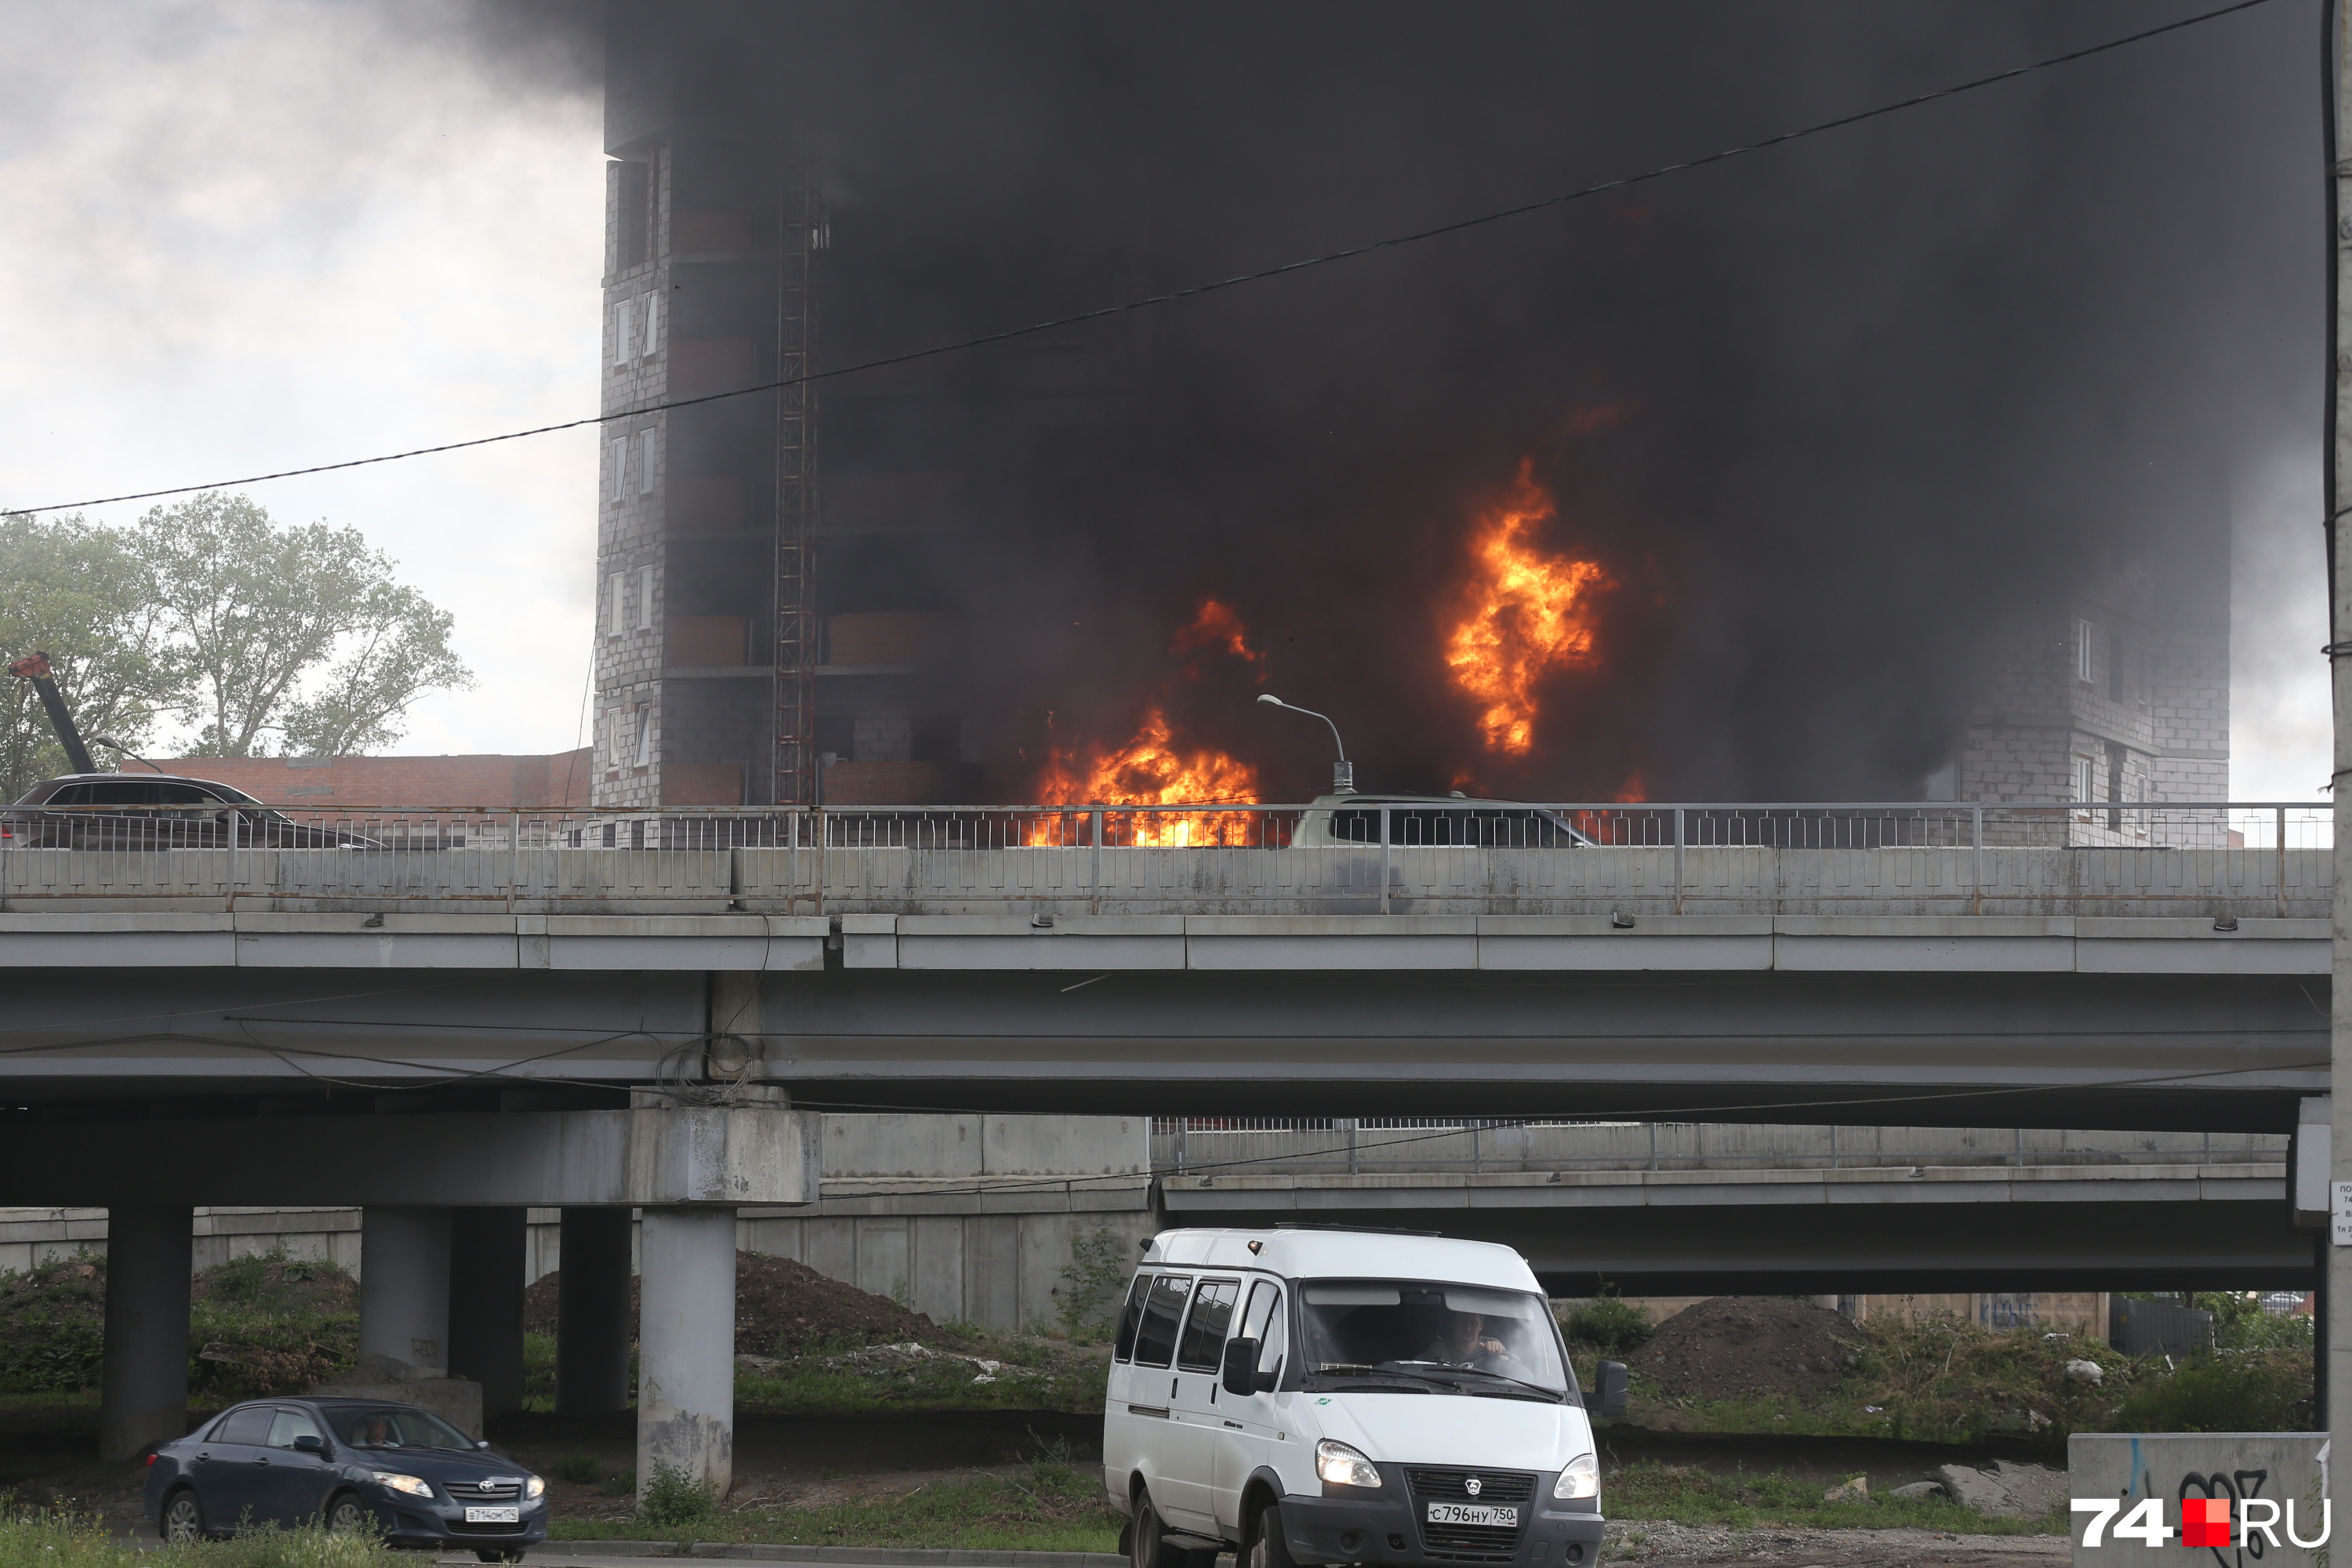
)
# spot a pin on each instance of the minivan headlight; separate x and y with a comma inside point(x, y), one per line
point(1341, 1466)
point(534, 1486)
point(412, 1485)
point(1579, 1477)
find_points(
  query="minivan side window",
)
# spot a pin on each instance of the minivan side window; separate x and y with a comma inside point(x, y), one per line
point(1262, 1320)
point(1204, 1331)
point(1155, 1339)
point(1131, 1318)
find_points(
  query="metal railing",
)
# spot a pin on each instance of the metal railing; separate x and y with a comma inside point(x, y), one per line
point(1425, 857)
point(1241, 1146)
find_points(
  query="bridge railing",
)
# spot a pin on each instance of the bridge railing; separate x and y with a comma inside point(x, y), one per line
point(1346, 858)
point(1215, 1146)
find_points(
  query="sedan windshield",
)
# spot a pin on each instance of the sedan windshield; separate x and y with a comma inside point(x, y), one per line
point(1468, 1335)
point(394, 1428)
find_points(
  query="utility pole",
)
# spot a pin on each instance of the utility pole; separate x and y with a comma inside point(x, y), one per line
point(2336, 1283)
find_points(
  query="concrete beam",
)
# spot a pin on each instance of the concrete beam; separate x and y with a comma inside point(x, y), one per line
point(743, 1155)
point(486, 1249)
point(592, 1314)
point(404, 1292)
point(686, 1348)
point(143, 1394)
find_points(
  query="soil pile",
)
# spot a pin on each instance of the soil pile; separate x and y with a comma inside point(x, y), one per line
point(1741, 1347)
point(782, 1307)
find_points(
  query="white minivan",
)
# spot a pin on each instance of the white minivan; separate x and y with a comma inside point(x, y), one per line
point(1347, 1396)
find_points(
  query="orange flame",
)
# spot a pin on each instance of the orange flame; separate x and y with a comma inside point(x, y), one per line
point(1216, 626)
point(1152, 769)
point(1528, 614)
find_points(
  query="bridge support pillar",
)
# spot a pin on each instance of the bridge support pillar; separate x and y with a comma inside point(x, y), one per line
point(405, 1292)
point(487, 1252)
point(685, 1347)
point(143, 1390)
point(592, 1314)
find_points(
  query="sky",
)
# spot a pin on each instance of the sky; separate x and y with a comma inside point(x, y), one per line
point(246, 234)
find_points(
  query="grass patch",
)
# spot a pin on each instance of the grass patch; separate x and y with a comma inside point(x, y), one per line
point(1681, 1494)
point(840, 1379)
point(56, 1538)
point(1054, 1507)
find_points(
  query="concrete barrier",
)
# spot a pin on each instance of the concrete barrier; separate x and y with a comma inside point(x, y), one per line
point(2288, 1470)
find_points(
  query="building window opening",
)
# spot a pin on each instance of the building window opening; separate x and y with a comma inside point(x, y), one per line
point(616, 457)
point(2087, 663)
point(2118, 770)
point(633, 214)
point(649, 342)
point(621, 312)
point(2083, 784)
point(620, 611)
point(646, 461)
point(645, 599)
point(644, 735)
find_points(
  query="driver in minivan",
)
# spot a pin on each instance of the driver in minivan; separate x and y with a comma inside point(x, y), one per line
point(1462, 1341)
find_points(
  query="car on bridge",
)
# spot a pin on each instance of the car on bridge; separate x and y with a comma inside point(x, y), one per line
point(1451, 820)
point(349, 1464)
point(157, 811)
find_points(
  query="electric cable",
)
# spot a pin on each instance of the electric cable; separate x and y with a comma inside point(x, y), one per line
point(1197, 290)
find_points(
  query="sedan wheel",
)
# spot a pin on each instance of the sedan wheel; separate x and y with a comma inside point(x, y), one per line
point(346, 1514)
point(183, 1517)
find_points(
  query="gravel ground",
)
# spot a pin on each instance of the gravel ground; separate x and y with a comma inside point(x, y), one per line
point(1632, 1540)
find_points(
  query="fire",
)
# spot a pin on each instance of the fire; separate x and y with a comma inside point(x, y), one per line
point(1528, 614)
point(1220, 628)
point(1152, 769)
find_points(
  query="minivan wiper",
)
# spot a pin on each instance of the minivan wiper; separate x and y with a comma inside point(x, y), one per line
point(1552, 1396)
point(1377, 1374)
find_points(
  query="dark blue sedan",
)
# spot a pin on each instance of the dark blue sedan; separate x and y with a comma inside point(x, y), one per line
point(352, 1464)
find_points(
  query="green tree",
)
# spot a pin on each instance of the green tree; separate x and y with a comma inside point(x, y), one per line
point(295, 631)
point(74, 591)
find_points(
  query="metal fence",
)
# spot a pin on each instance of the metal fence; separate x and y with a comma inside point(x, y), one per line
point(1341, 1145)
point(1475, 858)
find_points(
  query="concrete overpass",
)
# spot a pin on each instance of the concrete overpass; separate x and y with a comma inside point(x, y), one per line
point(1700, 1209)
point(235, 1022)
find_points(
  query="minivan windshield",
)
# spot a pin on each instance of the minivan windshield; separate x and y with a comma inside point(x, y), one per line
point(1471, 1339)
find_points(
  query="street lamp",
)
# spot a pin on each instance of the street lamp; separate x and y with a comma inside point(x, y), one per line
point(1343, 772)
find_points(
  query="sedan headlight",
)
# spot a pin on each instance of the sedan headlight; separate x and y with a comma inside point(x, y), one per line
point(533, 1486)
point(414, 1486)
point(1341, 1466)
point(1579, 1477)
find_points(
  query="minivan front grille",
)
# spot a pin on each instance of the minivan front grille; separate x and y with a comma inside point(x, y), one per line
point(1471, 1542)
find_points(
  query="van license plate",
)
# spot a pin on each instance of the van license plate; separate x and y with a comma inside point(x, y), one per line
point(1473, 1513)
point(514, 1516)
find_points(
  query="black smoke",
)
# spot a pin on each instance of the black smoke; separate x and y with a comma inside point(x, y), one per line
point(1871, 392)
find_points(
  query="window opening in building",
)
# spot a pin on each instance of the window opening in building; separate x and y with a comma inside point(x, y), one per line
point(621, 331)
point(2083, 784)
point(2118, 667)
point(611, 737)
point(645, 599)
point(2085, 661)
point(651, 341)
point(644, 735)
point(646, 461)
point(2119, 770)
point(633, 215)
point(620, 612)
point(617, 454)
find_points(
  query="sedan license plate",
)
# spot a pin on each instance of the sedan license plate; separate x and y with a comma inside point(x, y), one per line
point(1473, 1513)
point(514, 1516)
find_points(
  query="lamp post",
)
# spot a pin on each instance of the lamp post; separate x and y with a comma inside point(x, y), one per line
point(1343, 772)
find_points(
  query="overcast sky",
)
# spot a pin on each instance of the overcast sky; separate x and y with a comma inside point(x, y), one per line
point(246, 234)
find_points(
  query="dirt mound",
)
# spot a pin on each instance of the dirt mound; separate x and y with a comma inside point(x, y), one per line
point(1739, 1347)
point(781, 1306)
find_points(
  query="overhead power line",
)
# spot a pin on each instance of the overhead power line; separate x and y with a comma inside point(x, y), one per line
point(1197, 290)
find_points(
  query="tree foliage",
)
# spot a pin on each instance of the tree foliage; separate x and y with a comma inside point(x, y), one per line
point(298, 631)
point(257, 636)
point(78, 592)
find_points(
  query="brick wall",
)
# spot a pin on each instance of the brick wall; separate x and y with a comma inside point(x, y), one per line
point(891, 784)
point(705, 642)
point(404, 783)
point(887, 636)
